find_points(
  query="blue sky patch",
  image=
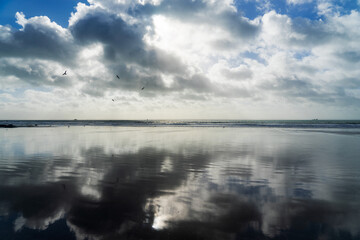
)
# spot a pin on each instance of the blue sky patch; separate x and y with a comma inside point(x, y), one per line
point(302, 54)
point(58, 11)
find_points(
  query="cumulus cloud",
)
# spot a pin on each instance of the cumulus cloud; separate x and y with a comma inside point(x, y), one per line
point(38, 38)
point(203, 50)
point(216, 13)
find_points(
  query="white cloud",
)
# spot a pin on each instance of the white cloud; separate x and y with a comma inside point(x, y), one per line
point(298, 1)
point(42, 22)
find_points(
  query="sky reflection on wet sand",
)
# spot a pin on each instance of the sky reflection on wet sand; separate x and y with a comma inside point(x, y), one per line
point(178, 183)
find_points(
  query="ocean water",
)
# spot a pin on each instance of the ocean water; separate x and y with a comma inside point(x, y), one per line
point(193, 180)
point(189, 123)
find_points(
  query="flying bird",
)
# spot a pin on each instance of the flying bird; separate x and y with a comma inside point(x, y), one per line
point(64, 73)
point(113, 100)
point(118, 76)
point(142, 88)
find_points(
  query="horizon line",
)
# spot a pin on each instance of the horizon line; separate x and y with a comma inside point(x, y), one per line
point(187, 119)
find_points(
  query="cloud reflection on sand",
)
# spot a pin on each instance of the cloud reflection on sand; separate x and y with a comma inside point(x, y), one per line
point(168, 183)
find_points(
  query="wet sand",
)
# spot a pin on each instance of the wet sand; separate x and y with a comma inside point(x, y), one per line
point(178, 183)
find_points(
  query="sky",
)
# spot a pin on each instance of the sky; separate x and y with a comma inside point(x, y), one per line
point(195, 59)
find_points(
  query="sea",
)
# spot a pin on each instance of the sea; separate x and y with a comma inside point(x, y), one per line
point(314, 123)
point(180, 179)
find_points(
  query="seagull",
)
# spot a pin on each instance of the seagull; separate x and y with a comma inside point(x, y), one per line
point(118, 76)
point(64, 73)
point(142, 88)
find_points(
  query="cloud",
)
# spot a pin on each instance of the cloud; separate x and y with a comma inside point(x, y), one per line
point(199, 83)
point(295, 2)
point(122, 41)
point(38, 38)
point(35, 72)
point(216, 13)
point(206, 49)
point(239, 73)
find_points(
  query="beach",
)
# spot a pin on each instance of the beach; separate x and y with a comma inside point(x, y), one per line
point(126, 182)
